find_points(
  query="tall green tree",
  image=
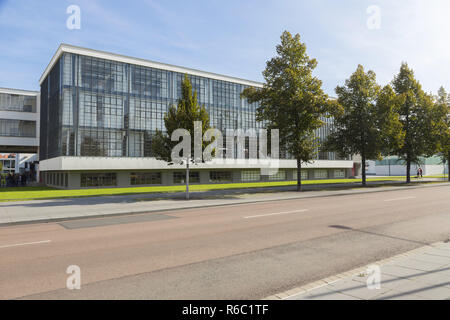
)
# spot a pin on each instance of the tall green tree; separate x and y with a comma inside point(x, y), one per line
point(365, 124)
point(292, 100)
point(415, 109)
point(443, 125)
point(181, 116)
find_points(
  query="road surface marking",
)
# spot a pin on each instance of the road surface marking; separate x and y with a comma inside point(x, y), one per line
point(398, 199)
point(24, 244)
point(274, 214)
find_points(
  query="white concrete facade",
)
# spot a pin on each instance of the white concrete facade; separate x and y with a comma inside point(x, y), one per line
point(125, 163)
point(66, 172)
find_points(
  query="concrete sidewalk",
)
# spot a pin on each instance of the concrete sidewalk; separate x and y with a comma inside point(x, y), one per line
point(21, 212)
point(421, 274)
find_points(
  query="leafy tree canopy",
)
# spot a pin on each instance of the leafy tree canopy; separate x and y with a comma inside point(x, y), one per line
point(292, 99)
point(181, 116)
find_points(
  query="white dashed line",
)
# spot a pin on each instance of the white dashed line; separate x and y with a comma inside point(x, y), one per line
point(24, 244)
point(275, 214)
point(398, 199)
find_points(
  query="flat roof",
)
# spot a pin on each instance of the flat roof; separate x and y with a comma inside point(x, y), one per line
point(141, 62)
point(19, 91)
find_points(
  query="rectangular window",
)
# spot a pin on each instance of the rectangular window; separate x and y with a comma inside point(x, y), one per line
point(220, 176)
point(17, 103)
point(321, 174)
point(143, 178)
point(280, 175)
point(250, 175)
point(304, 175)
point(17, 128)
point(98, 180)
point(180, 177)
point(339, 173)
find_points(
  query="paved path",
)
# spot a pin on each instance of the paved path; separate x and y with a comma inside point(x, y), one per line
point(422, 274)
point(57, 209)
point(239, 251)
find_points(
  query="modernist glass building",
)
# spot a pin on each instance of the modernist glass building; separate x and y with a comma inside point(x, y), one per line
point(100, 110)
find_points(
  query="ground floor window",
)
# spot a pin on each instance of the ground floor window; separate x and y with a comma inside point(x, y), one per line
point(339, 173)
point(220, 176)
point(142, 178)
point(56, 179)
point(98, 179)
point(304, 175)
point(321, 174)
point(180, 177)
point(250, 175)
point(280, 175)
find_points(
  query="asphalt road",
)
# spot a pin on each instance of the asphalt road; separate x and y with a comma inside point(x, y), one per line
point(246, 251)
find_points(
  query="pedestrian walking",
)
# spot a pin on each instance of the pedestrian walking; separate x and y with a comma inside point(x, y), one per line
point(421, 172)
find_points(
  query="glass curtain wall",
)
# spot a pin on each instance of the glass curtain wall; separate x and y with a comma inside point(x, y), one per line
point(94, 107)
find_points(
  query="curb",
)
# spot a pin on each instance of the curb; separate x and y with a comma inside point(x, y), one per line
point(341, 276)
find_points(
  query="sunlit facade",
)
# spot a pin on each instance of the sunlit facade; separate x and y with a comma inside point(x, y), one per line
point(100, 110)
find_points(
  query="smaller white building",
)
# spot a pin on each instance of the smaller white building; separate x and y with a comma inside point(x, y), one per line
point(393, 166)
point(19, 121)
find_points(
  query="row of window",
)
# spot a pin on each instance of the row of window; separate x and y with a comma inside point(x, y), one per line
point(56, 179)
point(179, 177)
point(17, 103)
point(98, 179)
point(17, 128)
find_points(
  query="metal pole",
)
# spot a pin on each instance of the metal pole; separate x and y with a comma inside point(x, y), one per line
point(187, 179)
point(389, 162)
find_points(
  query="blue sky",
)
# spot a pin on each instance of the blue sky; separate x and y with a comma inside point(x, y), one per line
point(233, 37)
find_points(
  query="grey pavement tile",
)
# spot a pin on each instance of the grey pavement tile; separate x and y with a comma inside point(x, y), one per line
point(362, 292)
point(323, 293)
point(442, 260)
point(434, 278)
point(418, 265)
point(425, 291)
point(397, 295)
point(395, 283)
point(399, 271)
point(387, 281)
point(439, 252)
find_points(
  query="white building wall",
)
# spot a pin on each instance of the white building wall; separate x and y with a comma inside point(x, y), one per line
point(106, 163)
point(400, 170)
point(26, 116)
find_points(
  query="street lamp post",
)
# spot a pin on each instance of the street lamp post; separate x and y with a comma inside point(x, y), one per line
point(187, 177)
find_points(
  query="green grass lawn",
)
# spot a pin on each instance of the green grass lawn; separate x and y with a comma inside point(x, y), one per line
point(35, 193)
point(438, 176)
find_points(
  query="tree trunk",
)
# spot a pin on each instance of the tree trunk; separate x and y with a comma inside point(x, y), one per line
point(299, 175)
point(363, 170)
point(408, 170)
